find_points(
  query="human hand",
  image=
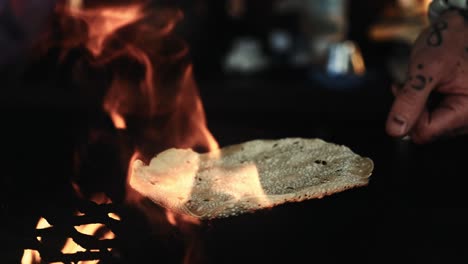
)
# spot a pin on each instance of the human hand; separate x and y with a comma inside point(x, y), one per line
point(438, 63)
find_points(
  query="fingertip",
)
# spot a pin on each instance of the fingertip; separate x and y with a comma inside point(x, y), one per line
point(396, 126)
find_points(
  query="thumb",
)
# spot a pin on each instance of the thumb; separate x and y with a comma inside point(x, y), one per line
point(450, 118)
point(409, 103)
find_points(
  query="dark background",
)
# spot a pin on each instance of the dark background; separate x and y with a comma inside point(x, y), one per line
point(414, 208)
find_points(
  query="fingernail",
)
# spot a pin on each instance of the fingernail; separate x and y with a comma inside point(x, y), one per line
point(401, 124)
point(406, 138)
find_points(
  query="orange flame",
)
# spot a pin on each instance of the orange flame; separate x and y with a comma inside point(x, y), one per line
point(103, 22)
point(32, 256)
point(155, 97)
point(161, 93)
point(100, 231)
point(112, 105)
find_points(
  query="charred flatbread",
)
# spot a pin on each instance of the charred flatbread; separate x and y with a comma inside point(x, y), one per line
point(254, 175)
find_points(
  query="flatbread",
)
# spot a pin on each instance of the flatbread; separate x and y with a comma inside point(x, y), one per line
point(254, 175)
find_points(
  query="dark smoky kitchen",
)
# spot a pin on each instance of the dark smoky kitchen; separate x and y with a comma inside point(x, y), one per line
point(233, 131)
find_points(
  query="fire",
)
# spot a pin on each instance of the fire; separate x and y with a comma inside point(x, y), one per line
point(99, 231)
point(41, 224)
point(177, 220)
point(32, 256)
point(70, 247)
point(155, 100)
point(103, 22)
point(112, 104)
point(161, 95)
point(163, 98)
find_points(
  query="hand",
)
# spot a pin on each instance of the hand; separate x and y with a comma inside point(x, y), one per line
point(438, 63)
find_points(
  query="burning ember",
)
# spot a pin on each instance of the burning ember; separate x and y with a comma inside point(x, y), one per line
point(150, 96)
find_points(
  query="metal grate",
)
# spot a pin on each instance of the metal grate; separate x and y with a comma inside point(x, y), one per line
point(63, 227)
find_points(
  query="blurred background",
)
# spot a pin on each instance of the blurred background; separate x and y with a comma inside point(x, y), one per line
point(328, 43)
point(330, 59)
point(262, 69)
point(323, 59)
point(278, 38)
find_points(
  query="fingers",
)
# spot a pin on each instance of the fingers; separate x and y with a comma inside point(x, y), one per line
point(448, 119)
point(410, 100)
